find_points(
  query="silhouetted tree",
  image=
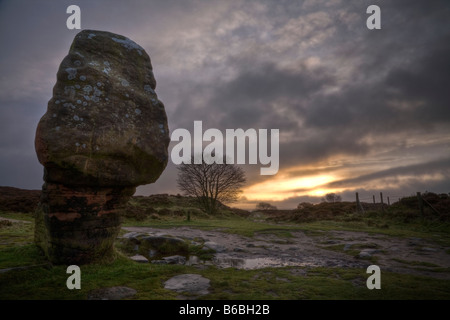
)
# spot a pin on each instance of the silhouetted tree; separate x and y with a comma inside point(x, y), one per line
point(332, 197)
point(265, 206)
point(211, 183)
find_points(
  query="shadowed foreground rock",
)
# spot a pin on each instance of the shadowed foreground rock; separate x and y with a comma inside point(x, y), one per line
point(193, 284)
point(104, 133)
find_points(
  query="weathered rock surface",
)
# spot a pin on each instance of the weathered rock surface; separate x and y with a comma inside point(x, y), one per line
point(139, 258)
point(164, 245)
point(215, 246)
point(188, 283)
point(112, 293)
point(171, 260)
point(104, 133)
point(104, 124)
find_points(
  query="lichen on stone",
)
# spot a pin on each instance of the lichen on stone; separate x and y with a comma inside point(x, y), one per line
point(104, 133)
point(72, 73)
point(127, 43)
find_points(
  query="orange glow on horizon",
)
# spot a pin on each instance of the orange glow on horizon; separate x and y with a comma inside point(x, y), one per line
point(281, 188)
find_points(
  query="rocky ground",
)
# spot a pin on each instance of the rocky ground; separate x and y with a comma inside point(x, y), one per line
point(302, 251)
point(328, 249)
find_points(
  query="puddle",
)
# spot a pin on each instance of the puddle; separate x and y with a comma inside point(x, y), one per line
point(247, 263)
point(256, 263)
point(306, 249)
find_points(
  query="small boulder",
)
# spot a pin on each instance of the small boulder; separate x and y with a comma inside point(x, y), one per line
point(164, 245)
point(112, 293)
point(347, 247)
point(188, 283)
point(171, 260)
point(364, 255)
point(175, 259)
point(139, 258)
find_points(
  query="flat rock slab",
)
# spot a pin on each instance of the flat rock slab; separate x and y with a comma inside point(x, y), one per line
point(112, 293)
point(171, 260)
point(188, 283)
point(139, 258)
point(306, 250)
point(215, 246)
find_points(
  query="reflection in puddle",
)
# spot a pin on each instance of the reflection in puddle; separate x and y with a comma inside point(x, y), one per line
point(254, 263)
point(247, 263)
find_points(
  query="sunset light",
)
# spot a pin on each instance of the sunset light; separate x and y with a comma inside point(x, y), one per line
point(281, 188)
point(353, 115)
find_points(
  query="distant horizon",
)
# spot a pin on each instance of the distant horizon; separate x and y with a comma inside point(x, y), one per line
point(363, 198)
point(357, 110)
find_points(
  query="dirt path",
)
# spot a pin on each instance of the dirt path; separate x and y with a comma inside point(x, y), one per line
point(331, 249)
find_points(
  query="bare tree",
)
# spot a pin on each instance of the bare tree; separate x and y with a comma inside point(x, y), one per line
point(265, 206)
point(211, 183)
point(332, 197)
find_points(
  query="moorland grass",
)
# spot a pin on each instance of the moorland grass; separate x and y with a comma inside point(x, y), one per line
point(45, 281)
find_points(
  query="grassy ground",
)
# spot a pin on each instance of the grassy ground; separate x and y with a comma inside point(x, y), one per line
point(43, 281)
point(49, 282)
point(436, 231)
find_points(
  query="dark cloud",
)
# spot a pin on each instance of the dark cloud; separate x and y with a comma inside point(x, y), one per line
point(253, 99)
point(441, 166)
point(396, 85)
point(309, 68)
point(425, 82)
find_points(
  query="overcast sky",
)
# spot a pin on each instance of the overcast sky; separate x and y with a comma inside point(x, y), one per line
point(357, 109)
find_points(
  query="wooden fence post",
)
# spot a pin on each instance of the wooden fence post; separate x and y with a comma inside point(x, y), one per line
point(359, 207)
point(373, 199)
point(419, 197)
point(357, 202)
point(389, 202)
point(382, 203)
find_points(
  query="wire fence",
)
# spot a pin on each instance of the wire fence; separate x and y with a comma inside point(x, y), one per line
point(383, 202)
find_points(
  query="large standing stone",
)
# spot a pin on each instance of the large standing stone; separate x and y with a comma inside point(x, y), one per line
point(104, 133)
